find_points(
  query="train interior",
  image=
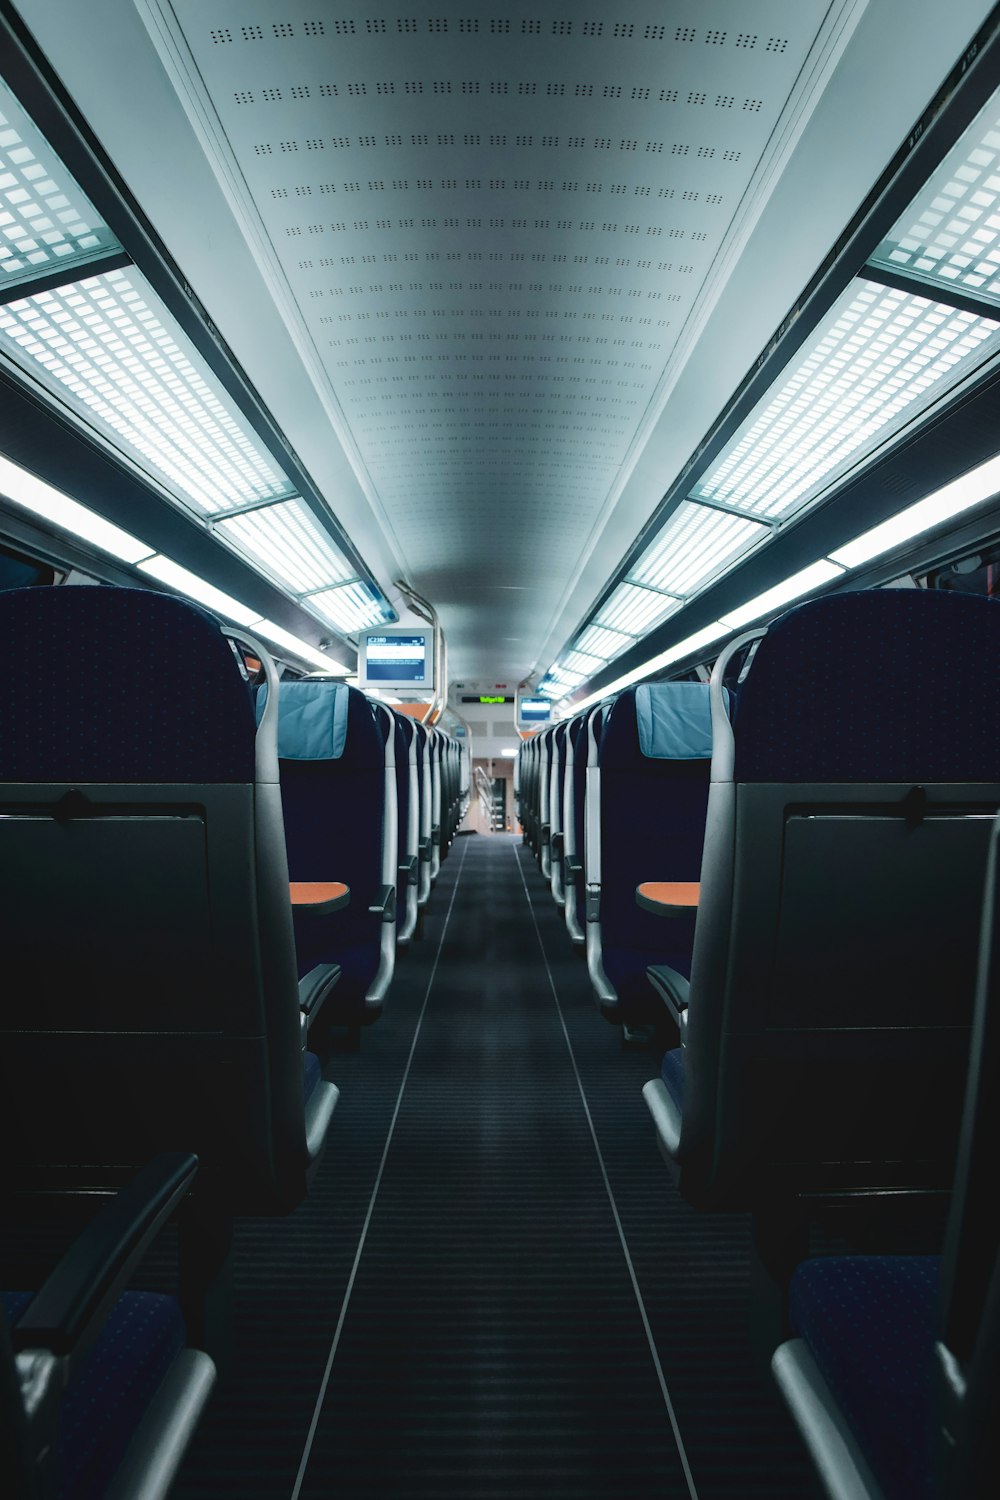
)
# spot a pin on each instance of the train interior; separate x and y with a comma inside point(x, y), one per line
point(500, 771)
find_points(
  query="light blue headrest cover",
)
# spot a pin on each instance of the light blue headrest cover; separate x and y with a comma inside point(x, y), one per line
point(675, 720)
point(312, 719)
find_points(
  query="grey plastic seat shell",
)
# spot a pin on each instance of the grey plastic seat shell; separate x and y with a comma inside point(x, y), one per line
point(823, 857)
point(185, 886)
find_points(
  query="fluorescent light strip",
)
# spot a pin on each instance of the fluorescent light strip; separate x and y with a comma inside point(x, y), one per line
point(108, 347)
point(285, 641)
point(880, 354)
point(635, 610)
point(950, 233)
point(940, 508)
point(695, 544)
point(348, 608)
point(52, 505)
point(45, 218)
point(789, 589)
point(203, 592)
point(687, 647)
point(285, 541)
point(962, 494)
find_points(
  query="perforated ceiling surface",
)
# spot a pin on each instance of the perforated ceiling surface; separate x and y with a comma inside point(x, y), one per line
point(493, 228)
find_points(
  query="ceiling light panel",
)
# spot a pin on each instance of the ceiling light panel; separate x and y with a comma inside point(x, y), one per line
point(183, 581)
point(348, 608)
point(597, 640)
point(107, 348)
point(277, 636)
point(580, 662)
point(285, 541)
point(950, 233)
point(45, 219)
point(881, 357)
point(44, 500)
point(696, 543)
point(496, 302)
point(635, 610)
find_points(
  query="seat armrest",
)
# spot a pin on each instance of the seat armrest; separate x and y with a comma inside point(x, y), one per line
point(557, 843)
point(672, 988)
point(67, 1313)
point(574, 866)
point(424, 849)
point(313, 990)
point(383, 903)
point(436, 834)
point(408, 868)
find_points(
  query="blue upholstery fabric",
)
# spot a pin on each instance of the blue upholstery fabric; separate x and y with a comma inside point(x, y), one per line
point(578, 738)
point(675, 720)
point(106, 1400)
point(312, 719)
point(311, 1073)
point(142, 722)
point(333, 831)
point(653, 814)
point(404, 738)
point(869, 1322)
point(672, 1073)
point(831, 691)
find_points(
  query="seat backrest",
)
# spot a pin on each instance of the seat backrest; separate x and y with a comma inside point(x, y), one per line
point(407, 827)
point(332, 758)
point(835, 949)
point(424, 787)
point(435, 738)
point(584, 762)
point(557, 775)
point(573, 832)
point(148, 956)
point(654, 759)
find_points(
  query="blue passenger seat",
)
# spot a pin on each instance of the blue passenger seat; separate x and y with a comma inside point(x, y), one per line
point(573, 895)
point(650, 802)
point(893, 1375)
point(557, 805)
point(332, 750)
point(98, 1387)
point(834, 956)
point(407, 828)
point(149, 962)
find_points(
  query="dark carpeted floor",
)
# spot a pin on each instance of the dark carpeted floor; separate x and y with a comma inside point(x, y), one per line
point(493, 1290)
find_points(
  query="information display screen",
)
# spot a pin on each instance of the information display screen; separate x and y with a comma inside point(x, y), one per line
point(534, 711)
point(400, 659)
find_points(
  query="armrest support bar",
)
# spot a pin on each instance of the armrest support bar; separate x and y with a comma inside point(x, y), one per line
point(75, 1298)
point(672, 988)
point(313, 990)
point(383, 903)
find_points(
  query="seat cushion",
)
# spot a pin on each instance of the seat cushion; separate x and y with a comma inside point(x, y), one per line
point(106, 1400)
point(869, 1322)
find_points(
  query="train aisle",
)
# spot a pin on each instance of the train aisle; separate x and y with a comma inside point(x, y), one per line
point(493, 1290)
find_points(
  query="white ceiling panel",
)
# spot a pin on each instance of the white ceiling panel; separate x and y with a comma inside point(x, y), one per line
point(493, 230)
point(495, 273)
